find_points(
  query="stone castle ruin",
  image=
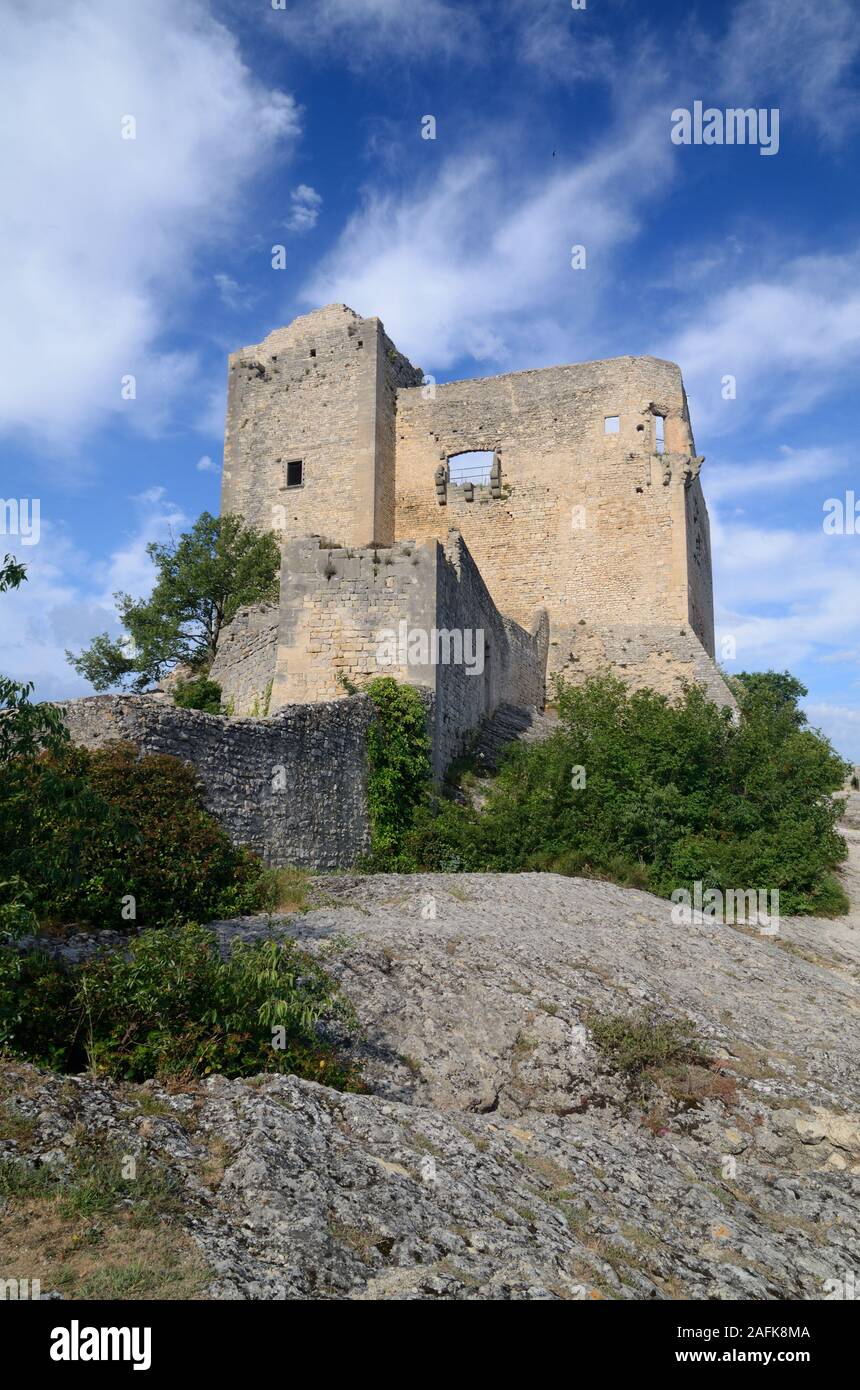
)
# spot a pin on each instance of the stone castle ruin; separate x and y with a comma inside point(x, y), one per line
point(473, 538)
point(581, 542)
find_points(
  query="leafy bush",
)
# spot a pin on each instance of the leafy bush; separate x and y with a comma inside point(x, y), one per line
point(172, 1007)
point(198, 693)
point(398, 747)
point(87, 832)
point(637, 1043)
point(673, 793)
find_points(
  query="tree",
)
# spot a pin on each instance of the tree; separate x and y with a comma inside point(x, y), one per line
point(24, 727)
point(779, 690)
point(204, 577)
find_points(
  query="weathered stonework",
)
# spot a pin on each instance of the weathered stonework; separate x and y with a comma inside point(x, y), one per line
point(244, 666)
point(591, 513)
point(350, 615)
point(585, 547)
point(656, 657)
point(292, 788)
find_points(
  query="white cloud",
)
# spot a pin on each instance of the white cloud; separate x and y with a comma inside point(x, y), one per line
point(789, 339)
point(305, 205)
point(103, 231)
point(841, 724)
point(790, 468)
point(476, 261)
point(560, 42)
point(68, 596)
point(802, 50)
point(787, 595)
point(358, 31)
point(207, 465)
point(231, 293)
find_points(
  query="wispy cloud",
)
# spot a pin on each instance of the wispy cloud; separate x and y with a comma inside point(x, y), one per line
point(788, 467)
point(788, 339)
point(68, 595)
point(305, 204)
point(476, 261)
point(359, 31)
point(804, 53)
point(103, 230)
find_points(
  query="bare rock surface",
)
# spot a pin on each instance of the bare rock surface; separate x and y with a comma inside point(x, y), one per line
point(498, 1155)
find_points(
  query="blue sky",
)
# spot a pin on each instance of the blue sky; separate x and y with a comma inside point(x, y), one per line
point(301, 126)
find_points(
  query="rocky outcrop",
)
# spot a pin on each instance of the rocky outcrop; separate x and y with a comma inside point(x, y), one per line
point(498, 1154)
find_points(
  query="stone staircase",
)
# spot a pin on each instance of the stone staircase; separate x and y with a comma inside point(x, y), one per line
point(510, 722)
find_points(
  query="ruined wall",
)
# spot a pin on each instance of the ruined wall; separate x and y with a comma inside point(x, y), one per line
point(589, 524)
point(244, 665)
point(699, 568)
point(421, 614)
point(335, 603)
point(513, 660)
point(660, 657)
point(293, 788)
point(320, 391)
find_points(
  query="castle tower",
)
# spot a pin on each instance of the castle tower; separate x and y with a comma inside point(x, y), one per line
point(309, 443)
point(590, 515)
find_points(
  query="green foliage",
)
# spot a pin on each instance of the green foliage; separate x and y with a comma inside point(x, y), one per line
point(203, 579)
point(673, 793)
point(24, 727)
point(172, 1007)
point(84, 829)
point(636, 1043)
point(398, 748)
point(199, 693)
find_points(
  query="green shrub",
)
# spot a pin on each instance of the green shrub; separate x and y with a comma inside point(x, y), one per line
point(172, 1007)
point(87, 831)
point(198, 693)
point(398, 746)
point(673, 793)
point(636, 1043)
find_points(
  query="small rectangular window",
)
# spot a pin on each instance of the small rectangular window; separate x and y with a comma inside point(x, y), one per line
point(611, 424)
point(660, 433)
point(295, 473)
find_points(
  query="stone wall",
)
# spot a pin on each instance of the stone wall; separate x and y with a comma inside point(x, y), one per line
point(244, 665)
point(321, 392)
point(658, 657)
point(513, 660)
point(421, 614)
point(589, 524)
point(293, 788)
point(595, 518)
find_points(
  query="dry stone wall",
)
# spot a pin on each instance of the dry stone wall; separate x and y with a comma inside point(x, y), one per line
point(244, 665)
point(293, 788)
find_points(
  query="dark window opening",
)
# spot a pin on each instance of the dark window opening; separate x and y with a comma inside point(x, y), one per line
point(313, 352)
point(295, 473)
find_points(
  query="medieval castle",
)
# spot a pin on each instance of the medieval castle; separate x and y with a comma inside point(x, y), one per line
point(583, 542)
point(472, 538)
